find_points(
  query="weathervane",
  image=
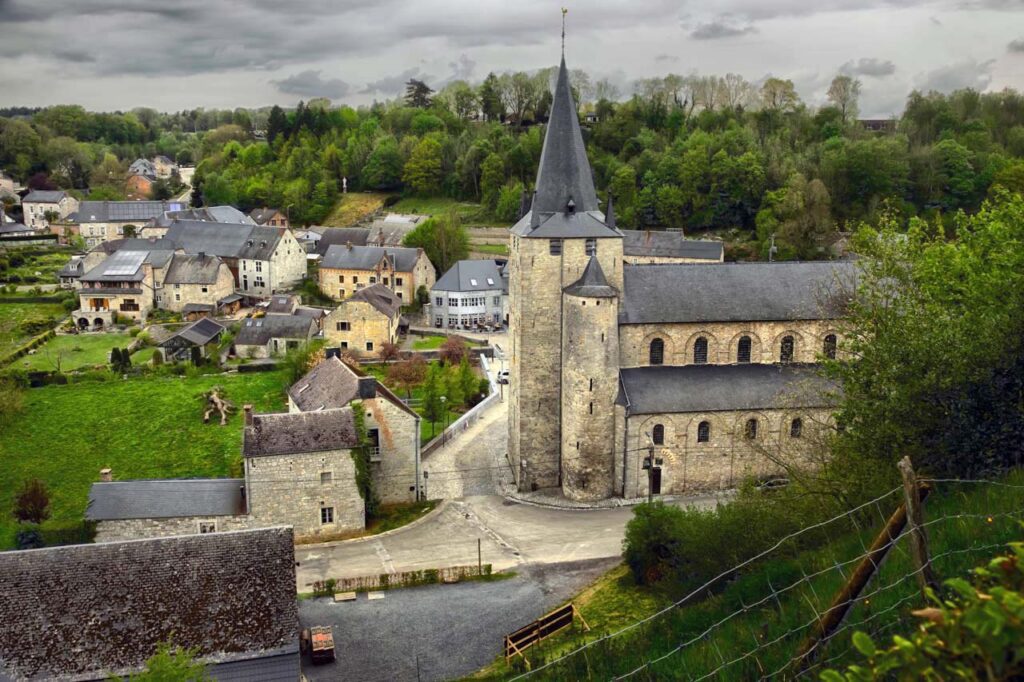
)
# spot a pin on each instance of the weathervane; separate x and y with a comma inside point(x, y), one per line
point(564, 12)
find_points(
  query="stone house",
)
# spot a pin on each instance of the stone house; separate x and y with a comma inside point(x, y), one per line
point(711, 365)
point(71, 272)
point(163, 166)
point(194, 282)
point(269, 217)
point(123, 284)
point(194, 343)
point(392, 229)
point(262, 337)
point(104, 221)
point(344, 270)
point(38, 203)
point(157, 227)
point(141, 176)
point(340, 236)
point(92, 611)
point(392, 427)
point(365, 321)
point(471, 293)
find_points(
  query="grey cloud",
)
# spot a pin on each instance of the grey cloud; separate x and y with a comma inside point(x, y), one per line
point(393, 85)
point(74, 56)
point(309, 84)
point(1016, 45)
point(965, 74)
point(462, 69)
point(666, 58)
point(868, 66)
point(718, 29)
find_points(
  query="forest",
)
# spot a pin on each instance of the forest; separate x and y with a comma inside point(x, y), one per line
point(692, 152)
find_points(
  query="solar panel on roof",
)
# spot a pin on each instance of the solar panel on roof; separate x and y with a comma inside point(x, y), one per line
point(124, 263)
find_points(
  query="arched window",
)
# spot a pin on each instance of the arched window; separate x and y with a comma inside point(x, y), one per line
point(700, 351)
point(657, 353)
point(830, 347)
point(750, 430)
point(796, 428)
point(786, 349)
point(743, 350)
point(703, 432)
point(658, 434)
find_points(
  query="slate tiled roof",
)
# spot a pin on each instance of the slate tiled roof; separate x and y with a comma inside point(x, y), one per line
point(669, 244)
point(470, 275)
point(165, 498)
point(331, 384)
point(299, 432)
point(75, 267)
point(566, 226)
point(592, 284)
point(330, 236)
point(262, 215)
point(122, 266)
point(735, 292)
point(44, 196)
point(226, 240)
point(207, 214)
point(718, 388)
point(366, 257)
point(258, 331)
point(380, 297)
point(282, 303)
point(199, 333)
point(124, 211)
point(85, 611)
point(193, 269)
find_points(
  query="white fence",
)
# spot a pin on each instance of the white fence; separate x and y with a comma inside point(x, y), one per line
point(467, 420)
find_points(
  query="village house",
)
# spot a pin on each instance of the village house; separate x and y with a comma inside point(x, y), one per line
point(98, 611)
point(123, 285)
point(392, 428)
point(72, 272)
point(38, 203)
point(269, 217)
point(472, 293)
point(104, 221)
point(365, 321)
point(346, 269)
point(392, 229)
point(141, 176)
point(262, 337)
point(194, 343)
point(157, 227)
point(194, 283)
point(163, 166)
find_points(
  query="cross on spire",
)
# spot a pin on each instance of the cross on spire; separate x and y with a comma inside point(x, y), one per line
point(564, 12)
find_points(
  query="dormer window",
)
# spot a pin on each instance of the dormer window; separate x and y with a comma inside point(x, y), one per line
point(570, 207)
point(472, 282)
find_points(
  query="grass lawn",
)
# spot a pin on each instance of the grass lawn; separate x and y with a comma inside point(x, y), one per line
point(969, 525)
point(492, 249)
point(428, 342)
point(353, 207)
point(73, 351)
point(141, 428)
point(13, 314)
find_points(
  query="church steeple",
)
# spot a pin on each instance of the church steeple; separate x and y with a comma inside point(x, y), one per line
point(564, 171)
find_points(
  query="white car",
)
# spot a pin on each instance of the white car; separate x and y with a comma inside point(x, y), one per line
point(503, 376)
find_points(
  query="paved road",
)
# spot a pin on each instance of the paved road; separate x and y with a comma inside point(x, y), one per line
point(465, 465)
point(439, 632)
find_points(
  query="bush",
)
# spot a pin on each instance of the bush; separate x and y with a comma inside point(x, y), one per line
point(32, 504)
point(509, 199)
point(28, 538)
point(158, 358)
point(36, 325)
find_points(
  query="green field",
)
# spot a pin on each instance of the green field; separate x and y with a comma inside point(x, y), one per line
point(141, 428)
point(73, 351)
point(39, 268)
point(13, 314)
point(354, 207)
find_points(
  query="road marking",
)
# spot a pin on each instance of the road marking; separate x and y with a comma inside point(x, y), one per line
point(475, 520)
point(385, 558)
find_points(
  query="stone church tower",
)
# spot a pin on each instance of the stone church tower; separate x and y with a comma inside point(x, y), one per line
point(565, 280)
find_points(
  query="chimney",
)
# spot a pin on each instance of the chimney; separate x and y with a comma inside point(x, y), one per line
point(202, 255)
point(367, 388)
point(348, 245)
point(247, 410)
point(106, 475)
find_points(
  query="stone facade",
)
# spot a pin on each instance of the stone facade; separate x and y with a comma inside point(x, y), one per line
point(176, 296)
point(294, 490)
point(133, 529)
point(339, 283)
point(359, 326)
point(61, 203)
point(285, 269)
point(393, 465)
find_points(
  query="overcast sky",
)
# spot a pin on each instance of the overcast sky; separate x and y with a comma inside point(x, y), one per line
point(176, 54)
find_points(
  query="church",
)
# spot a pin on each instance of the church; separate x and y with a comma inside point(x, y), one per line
point(632, 376)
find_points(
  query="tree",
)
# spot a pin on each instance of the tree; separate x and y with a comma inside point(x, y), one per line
point(32, 503)
point(800, 217)
point(432, 406)
point(490, 98)
point(423, 169)
point(492, 177)
point(383, 169)
point(389, 351)
point(417, 94)
point(844, 93)
point(170, 664)
point(464, 100)
point(467, 381)
point(453, 350)
point(509, 198)
point(779, 95)
point(277, 124)
point(518, 93)
point(408, 373)
point(161, 190)
point(442, 238)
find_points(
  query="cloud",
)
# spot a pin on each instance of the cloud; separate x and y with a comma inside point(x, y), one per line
point(868, 66)
point(80, 56)
point(309, 84)
point(718, 29)
point(965, 74)
point(1016, 46)
point(393, 85)
point(666, 58)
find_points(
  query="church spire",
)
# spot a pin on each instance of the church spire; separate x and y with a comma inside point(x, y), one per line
point(564, 171)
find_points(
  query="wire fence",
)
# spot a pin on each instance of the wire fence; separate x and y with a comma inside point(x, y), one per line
point(790, 611)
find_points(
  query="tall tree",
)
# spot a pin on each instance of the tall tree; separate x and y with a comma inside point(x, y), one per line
point(277, 124)
point(417, 94)
point(490, 98)
point(422, 171)
point(779, 95)
point(844, 93)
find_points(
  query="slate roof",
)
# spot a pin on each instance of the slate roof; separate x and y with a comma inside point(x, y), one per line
point(12, 228)
point(143, 167)
point(75, 267)
point(121, 266)
point(669, 244)
point(165, 498)
point(718, 388)
point(262, 215)
point(735, 292)
point(470, 275)
point(44, 196)
point(206, 214)
point(299, 432)
point(193, 269)
point(227, 240)
point(592, 284)
point(357, 236)
point(85, 611)
point(367, 257)
point(135, 244)
point(124, 211)
point(380, 297)
point(257, 331)
point(331, 384)
point(199, 333)
point(282, 303)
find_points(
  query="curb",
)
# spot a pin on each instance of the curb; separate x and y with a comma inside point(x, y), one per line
point(351, 541)
point(615, 503)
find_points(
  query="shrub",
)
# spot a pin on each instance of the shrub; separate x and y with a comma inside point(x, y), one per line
point(28, 538)
point(158, 357)
point(134, 332)
point(32, 504)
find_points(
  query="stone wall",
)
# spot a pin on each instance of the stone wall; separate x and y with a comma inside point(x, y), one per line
point(723, 339)
point(394, 474)
point(289, 490)
point(366, 325)
point(175, 297)
point(728, 456)
point(135, 529)
point(334, 281)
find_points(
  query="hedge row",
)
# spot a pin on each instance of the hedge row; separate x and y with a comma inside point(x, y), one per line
point(34, 342)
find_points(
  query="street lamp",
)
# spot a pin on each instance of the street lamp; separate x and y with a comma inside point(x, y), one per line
point(444, 410)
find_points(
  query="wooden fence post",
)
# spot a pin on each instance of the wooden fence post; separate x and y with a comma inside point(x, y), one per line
point(918, 539)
